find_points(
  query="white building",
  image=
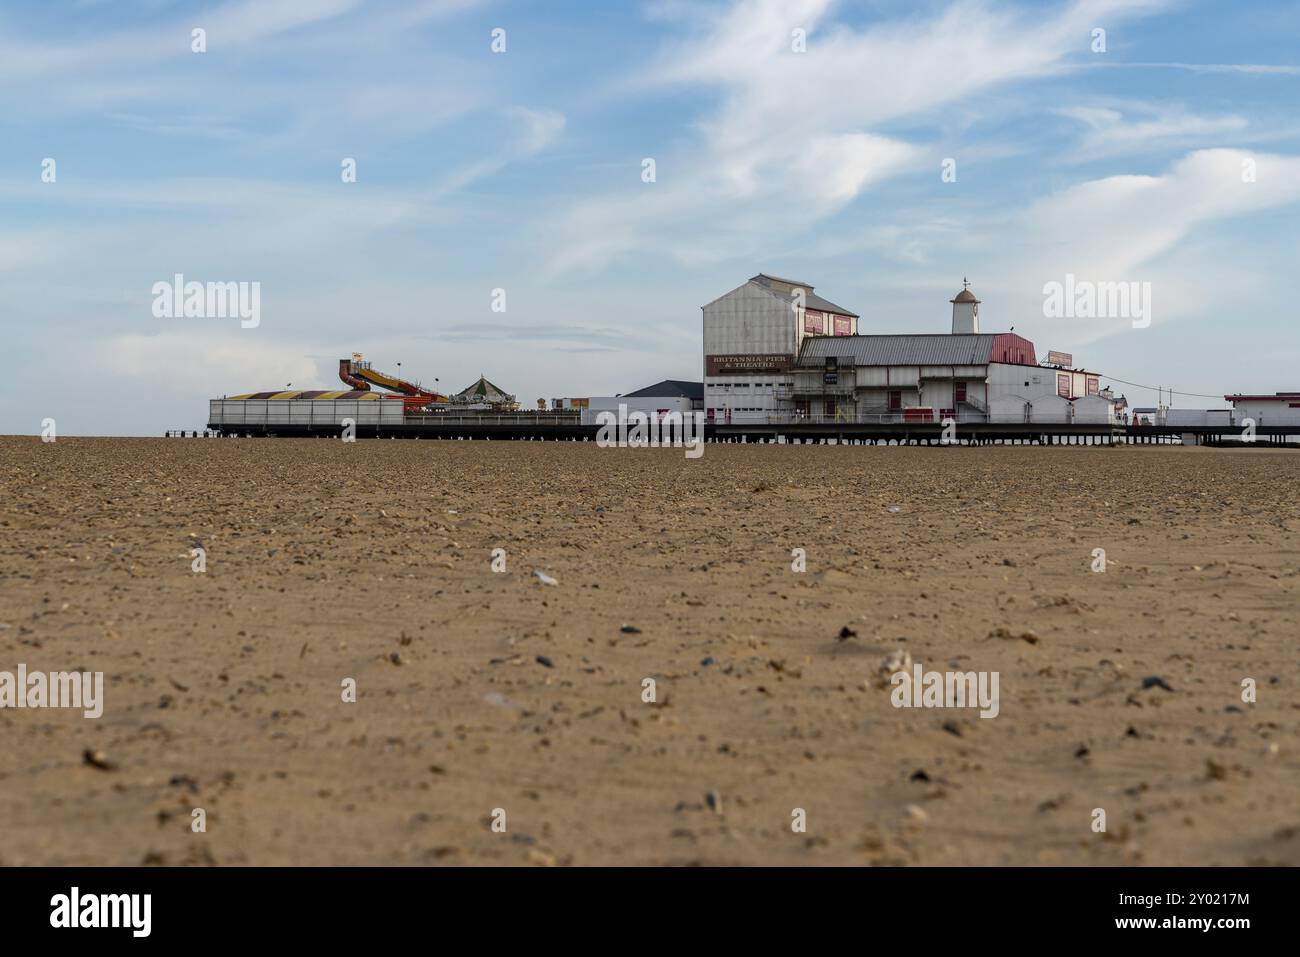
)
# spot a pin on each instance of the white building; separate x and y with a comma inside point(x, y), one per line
point(656, 401)
point(752, 337)
point(1280, 408)
point(765, 361)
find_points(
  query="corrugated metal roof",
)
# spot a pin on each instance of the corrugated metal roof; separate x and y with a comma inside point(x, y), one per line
point(670, 388)
point(791, 282)
point(921, 350)
point(814, 301)
point(811, 299)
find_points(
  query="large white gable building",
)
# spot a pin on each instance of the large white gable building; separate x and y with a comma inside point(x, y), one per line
point(774, 352)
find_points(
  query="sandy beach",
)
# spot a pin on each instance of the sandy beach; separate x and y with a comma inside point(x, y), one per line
point(482, 691)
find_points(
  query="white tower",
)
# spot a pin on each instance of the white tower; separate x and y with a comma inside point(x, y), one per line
point(965, 311)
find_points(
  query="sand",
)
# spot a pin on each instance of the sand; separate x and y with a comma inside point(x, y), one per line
point(479, 690)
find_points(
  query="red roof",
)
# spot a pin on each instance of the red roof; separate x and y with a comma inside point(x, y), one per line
point(1275, 397)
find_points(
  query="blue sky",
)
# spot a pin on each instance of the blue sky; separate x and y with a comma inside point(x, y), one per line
point(522, 170)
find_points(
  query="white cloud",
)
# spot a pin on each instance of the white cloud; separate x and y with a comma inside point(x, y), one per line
point(1127, 229)
point(1252, 68)
point(1166, 229)
point(1135, 128)
point(1108, 227)
point(832, 170)
point(796, 136)
point(232, 25)
point(262, 77)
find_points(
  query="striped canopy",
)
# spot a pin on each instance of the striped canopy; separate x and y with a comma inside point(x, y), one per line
point(317, 394)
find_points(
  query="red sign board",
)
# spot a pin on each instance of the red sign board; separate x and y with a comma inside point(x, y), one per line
point(843, 326)
point(1060, 359)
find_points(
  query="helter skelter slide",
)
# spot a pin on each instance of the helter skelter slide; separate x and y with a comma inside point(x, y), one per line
point(359, 374)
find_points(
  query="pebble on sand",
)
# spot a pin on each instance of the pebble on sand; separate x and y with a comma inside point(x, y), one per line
point(97, 759)
point(1029, 636)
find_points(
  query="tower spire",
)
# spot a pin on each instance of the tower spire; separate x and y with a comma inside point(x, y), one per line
point(965, 311)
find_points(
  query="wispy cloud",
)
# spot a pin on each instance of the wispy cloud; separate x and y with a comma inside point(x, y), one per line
point(1130, 228)
point(798, 135)
point(1135, 128)
point(1257, 68)
point(234, 25)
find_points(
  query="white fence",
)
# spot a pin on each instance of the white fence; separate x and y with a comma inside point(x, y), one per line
point(225, 412)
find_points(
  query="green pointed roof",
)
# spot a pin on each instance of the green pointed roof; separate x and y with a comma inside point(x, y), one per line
point(484, 390)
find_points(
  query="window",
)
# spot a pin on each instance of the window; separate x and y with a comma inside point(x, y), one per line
point(959, 392)
point(828, 407)
point(895, 400)
point(1063, 384)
